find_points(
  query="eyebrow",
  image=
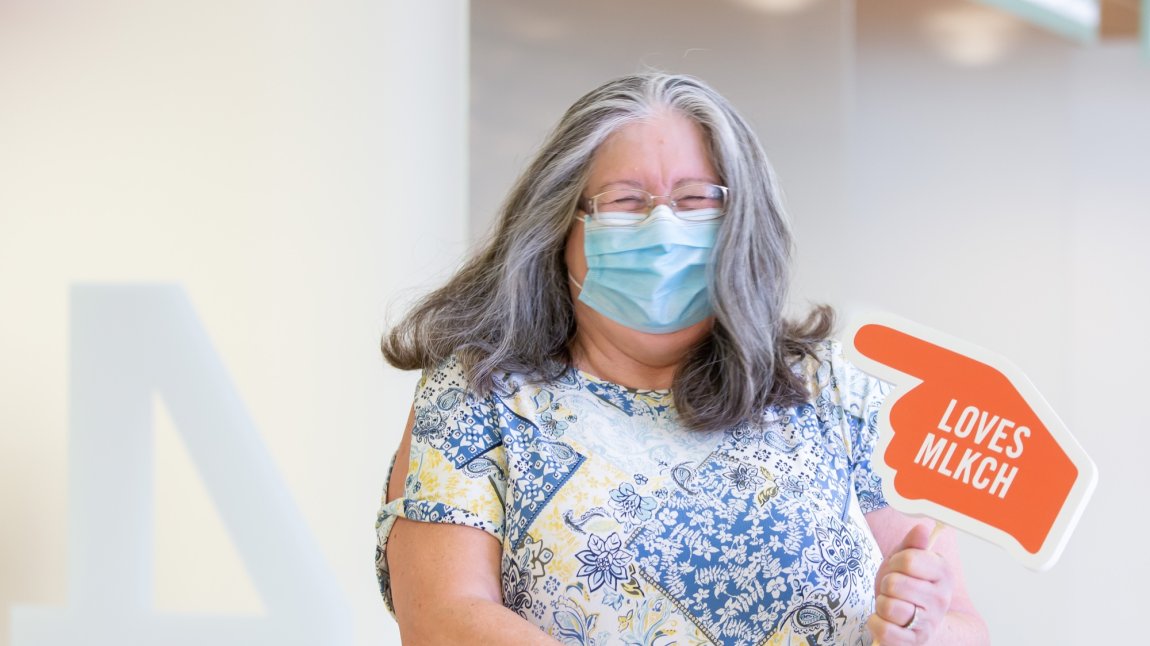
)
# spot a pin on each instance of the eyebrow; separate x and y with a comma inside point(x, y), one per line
point(635, 184)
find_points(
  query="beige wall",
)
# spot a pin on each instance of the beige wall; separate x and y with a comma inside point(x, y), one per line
point(262, 155)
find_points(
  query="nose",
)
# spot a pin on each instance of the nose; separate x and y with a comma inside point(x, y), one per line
point(664, 212)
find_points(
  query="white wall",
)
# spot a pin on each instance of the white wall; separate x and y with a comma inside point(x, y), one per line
point(262, 155)
point(1110, 271)
point(965, 172)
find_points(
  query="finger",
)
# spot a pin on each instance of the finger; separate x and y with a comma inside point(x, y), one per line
point(908, 588)
point(910, 354)
point(931, 598)
point(889, 634)
point(920, 564)
point(894, 610)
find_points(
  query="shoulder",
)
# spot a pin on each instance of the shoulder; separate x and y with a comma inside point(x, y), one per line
point(442, 389)
point(829, 374)
point(447, 375)
point(452, 376)
point(450, 408)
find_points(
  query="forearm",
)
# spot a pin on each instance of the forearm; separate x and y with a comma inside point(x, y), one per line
point(468, 621)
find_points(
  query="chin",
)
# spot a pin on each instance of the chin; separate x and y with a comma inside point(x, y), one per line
point(657, 344)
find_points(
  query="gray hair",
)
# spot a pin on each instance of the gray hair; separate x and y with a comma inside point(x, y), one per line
point(509, 309)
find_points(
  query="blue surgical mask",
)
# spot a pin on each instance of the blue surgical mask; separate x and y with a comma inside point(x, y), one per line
point(651, 277)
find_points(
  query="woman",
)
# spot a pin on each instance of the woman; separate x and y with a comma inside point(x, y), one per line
point(617, 437)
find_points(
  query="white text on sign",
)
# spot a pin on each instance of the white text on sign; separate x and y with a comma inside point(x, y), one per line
point(974, 467)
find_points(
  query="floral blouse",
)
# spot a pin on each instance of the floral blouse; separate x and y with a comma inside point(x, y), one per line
point(620, 526)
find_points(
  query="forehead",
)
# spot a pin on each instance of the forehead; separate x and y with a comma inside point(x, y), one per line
point(658, 149)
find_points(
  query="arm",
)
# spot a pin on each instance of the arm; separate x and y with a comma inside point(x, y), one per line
point(446, 579)
point(912, 575)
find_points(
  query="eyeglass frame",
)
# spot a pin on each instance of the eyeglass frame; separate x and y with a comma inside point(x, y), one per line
point(584, 202)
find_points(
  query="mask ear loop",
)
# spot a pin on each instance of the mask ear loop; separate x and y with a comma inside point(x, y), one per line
point(582, 219)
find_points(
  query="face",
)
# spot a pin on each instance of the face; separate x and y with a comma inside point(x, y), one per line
point(657, 155)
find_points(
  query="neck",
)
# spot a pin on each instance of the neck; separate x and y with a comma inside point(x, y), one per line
point(624, 366)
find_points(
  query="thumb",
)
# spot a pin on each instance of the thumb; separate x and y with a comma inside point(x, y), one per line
point(918, 538)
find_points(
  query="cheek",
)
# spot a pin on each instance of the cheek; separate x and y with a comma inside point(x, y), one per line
point(573, 255)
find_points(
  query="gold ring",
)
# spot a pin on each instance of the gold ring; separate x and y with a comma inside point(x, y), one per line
point(913, 619)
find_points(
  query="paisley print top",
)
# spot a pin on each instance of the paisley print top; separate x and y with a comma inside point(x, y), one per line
point(619, 526)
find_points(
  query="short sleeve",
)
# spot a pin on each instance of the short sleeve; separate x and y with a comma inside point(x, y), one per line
point(456, 470)
point(861, 397)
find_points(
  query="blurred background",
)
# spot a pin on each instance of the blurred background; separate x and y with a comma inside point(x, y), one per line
point(980, 167)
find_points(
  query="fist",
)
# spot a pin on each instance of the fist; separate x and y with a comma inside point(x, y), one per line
point(913, 590)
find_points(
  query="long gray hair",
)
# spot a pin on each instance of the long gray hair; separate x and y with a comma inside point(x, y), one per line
point(509, 307)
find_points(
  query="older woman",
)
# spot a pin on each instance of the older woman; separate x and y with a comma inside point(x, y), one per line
point(619, 439)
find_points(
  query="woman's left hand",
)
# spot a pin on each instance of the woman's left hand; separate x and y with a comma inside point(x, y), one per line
point(913, 592)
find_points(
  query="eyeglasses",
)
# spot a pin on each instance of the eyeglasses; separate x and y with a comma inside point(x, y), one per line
point(631, 206)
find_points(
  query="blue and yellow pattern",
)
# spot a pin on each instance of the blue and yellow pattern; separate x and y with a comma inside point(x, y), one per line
point(618, 525)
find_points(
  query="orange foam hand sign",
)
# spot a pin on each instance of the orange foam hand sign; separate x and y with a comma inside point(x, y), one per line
point(968, 440)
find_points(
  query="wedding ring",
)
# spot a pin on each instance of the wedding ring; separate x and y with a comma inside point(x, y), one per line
point(913, 619)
